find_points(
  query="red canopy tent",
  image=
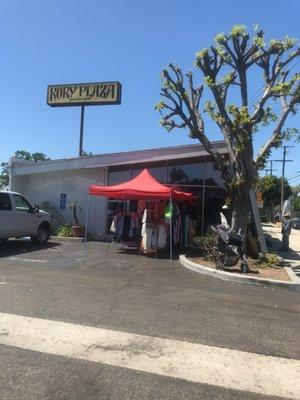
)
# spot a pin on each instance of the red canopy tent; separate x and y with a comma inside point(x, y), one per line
point(142, 187)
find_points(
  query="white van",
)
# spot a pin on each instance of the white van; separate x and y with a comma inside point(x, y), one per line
point(18, 218)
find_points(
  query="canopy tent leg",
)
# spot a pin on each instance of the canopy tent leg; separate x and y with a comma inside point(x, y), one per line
point(171, 236)
point(86, 220)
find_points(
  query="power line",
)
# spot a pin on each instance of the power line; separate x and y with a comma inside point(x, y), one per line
point(256, 95)
point(271, 169)
point(293, 173)
point(295, 177)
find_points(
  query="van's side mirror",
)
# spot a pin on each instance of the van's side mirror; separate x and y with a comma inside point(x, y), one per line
point(36, 208)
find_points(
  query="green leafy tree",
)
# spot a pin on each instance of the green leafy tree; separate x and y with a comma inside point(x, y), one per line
point(24, 155)
point(86, 154)
point(4, 177)
point(296, 197)
point(225, 67)
point(270, 187)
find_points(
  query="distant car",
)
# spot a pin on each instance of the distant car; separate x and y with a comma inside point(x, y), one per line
point(296, 223)
point(18, 218)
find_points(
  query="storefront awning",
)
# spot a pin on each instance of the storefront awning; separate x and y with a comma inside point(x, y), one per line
point(144, 186)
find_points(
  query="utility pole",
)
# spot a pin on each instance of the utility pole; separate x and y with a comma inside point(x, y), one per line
point(271, 161)
point(284, 160)
point(270, 169)
point(267, 170)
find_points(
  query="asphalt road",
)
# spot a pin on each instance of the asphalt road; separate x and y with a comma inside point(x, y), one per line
point(139, 295)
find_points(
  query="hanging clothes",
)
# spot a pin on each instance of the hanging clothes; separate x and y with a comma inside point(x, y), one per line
point(149, 239)
point(126, 226)
point(161, 236)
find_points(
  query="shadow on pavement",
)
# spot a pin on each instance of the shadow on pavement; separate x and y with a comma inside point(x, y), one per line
point(164, 254)
point(289, 255)
point(274, 244)
point(22, 246)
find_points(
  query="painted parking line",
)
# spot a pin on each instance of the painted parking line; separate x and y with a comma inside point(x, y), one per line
point(223, 367)
point(28, 260)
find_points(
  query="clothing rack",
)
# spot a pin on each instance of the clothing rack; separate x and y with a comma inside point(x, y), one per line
point(119, 231)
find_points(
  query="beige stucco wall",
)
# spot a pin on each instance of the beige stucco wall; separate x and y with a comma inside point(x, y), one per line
point(38, 188)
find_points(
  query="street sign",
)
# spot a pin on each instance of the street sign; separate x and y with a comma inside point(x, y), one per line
point(84, 94)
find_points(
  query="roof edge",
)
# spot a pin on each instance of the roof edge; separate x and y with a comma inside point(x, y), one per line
point(20, 162)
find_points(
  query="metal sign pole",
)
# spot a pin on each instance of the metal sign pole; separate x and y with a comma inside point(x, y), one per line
point(81, 131)
point(258, 224)
point(87, 220)
point(171, 236)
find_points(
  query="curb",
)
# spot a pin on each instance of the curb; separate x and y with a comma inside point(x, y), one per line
point(292, 275)
point(232, 277)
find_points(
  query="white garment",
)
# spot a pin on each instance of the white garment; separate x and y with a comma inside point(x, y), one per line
point(148, 239)
point(144, 221)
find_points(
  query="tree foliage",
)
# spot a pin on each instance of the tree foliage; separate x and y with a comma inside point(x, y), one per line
point(225, 67)
point(270, 187)
point(23, 155)
point(86, 154)
point(296, 197)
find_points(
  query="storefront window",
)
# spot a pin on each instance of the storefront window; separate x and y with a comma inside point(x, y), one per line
point(213, 176)
point(158, 172)
point(201, 179)
point(188, 174)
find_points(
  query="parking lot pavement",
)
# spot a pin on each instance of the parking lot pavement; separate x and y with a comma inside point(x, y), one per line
point(138, 295)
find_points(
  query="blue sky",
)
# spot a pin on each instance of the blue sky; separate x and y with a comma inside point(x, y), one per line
point(49, 42)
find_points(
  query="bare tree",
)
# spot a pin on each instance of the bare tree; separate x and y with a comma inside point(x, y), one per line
point(226, 67)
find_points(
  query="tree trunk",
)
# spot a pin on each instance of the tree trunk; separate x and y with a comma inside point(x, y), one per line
point(240, 210)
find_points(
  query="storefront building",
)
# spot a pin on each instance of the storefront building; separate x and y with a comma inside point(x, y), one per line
point(61, 182)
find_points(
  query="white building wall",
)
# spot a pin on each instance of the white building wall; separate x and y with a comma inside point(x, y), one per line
point(38, 188)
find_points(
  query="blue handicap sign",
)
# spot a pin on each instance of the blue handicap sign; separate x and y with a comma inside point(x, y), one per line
point(63, 201)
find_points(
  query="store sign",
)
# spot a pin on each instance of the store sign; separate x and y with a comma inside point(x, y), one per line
point(84, 94)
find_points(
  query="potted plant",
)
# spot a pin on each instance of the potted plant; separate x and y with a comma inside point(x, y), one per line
point(78, 231)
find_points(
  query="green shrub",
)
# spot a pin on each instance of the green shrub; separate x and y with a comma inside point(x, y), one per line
point(207, 245)
point(270, 260)
point(65, 231)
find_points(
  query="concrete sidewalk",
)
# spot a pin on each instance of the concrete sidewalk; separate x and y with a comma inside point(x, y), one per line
point(273, 234)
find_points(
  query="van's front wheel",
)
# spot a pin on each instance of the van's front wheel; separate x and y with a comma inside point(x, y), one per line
point(42, 235)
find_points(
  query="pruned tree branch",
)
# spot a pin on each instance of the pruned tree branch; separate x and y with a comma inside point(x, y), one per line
point(187, 109)
point(225, 67)
point(275, 136)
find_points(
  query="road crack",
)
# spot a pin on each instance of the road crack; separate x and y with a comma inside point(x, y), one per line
point(115, 292)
